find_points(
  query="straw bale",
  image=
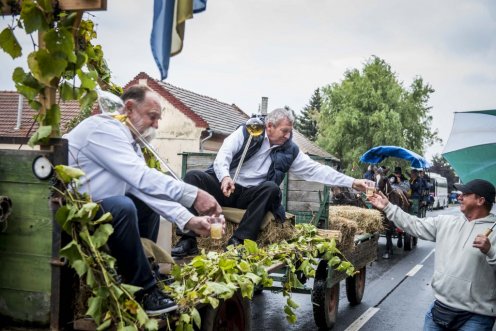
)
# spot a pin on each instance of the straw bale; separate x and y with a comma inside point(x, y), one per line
point(348, 230)
point(273, 232)
point(367, 220)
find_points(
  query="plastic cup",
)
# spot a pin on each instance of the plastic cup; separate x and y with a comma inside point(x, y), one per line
point(369, 191)
point(216, 227)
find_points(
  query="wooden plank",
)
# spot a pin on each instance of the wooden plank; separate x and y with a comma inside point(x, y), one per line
point(25, 306)
point(303, 206)
point(25, 272)
point(16, 166)
point(303, 196)
point(301, 185)
point(87, 5)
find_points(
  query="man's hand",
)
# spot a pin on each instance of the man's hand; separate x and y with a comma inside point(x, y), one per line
point(227, 186)
point(360, 184)
point(379, 200)
point(201, 225)
point(482, 242)
point(205, 204)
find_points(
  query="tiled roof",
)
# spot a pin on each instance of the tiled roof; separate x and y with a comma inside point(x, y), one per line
point(9, 101)
point(222, 118)
point(309, 147)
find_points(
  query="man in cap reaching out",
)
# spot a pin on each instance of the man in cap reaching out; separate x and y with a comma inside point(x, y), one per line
point(464, 280)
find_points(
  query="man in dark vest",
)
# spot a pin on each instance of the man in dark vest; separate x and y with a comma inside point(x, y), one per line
point(270, 156)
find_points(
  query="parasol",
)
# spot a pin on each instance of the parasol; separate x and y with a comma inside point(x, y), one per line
point(378, 154)
point(471, 146)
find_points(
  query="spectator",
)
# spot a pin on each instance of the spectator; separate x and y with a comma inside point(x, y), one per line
point(464, 280)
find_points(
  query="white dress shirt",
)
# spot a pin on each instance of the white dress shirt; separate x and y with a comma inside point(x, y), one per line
point(105, 150)
point(254, 171)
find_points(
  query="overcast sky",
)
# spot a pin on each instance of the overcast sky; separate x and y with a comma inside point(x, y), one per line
point(238, 51)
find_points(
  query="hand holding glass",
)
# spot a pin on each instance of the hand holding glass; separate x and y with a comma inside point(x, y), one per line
point(369, 192)
point(216, 225)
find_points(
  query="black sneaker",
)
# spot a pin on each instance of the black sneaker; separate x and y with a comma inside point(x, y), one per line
point(156, 302)
point(185, 247)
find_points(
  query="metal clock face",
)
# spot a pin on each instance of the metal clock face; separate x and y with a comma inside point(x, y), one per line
point(42, 168)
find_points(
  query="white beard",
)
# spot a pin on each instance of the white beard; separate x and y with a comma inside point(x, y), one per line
point(148, 136)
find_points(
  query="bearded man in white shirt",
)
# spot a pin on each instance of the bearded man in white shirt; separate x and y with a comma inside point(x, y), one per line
point(270, 156)
point(118, 178)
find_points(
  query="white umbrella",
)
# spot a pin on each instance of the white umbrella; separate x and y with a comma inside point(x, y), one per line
point(471, 146)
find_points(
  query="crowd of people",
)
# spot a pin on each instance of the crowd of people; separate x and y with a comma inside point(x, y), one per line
point(415, 187)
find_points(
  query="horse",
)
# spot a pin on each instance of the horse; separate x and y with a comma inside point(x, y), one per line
point(397, 197)
point(343, 196)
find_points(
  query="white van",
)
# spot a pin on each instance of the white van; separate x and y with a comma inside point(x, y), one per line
point(439, 190)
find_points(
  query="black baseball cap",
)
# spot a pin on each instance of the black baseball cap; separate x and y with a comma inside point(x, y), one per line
point(480, 187)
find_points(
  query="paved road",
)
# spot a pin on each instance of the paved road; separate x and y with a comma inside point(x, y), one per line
point(396, 297)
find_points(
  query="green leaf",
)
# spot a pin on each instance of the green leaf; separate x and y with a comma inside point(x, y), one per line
point(227, 264)
point(62, 41)
point(61, 217)
point(244, 266)
point(151, 324)
point(291, 303)
point(196, 317)
point(251, 246)
point(9, 43)
point(40, 135)
point(45, 66)
point(95, 308)
point(335, 260)
point(105, 218)
point(33, 17)
point(67, 174)
point(87, 212)
point(88, 79)
point(106, 324)
point(88, 100)
point(69, 92)
point(213, 302)
point(67, 19)
point(91, 281)
point(80, 267)
point(101, 235)
point(290, 315)
point(71, 251)
point(52, 117)
point(131, 288)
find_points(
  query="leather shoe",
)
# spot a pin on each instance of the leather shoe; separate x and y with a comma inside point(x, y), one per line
point(234, 241)
point(185, 247)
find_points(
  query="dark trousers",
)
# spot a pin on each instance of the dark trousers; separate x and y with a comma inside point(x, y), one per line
point(257, 201)
point(131, 219)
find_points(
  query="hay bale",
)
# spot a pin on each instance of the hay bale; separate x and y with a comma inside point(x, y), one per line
point(348, 229)
point(367, 220)
point(273, 232)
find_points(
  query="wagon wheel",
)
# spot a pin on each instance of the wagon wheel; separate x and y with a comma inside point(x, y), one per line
point(355, 286)
point(233, 314)
point(408, 245)
point(325, 300)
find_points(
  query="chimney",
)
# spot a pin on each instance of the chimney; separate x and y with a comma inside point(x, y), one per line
point(265, 103)
point(19, 112)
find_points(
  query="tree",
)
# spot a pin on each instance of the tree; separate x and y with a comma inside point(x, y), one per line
point(442, 167)
point(371, 108)
point(306, 123)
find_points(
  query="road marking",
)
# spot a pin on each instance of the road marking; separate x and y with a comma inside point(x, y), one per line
point(414, 270)
point(360, 321)
point(428, 255)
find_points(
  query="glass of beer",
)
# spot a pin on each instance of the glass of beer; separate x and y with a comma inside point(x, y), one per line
point(216, 223)
point(369, 191)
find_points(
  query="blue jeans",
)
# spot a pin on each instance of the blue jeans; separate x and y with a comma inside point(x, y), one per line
point(131, 219)
point(475, 323)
